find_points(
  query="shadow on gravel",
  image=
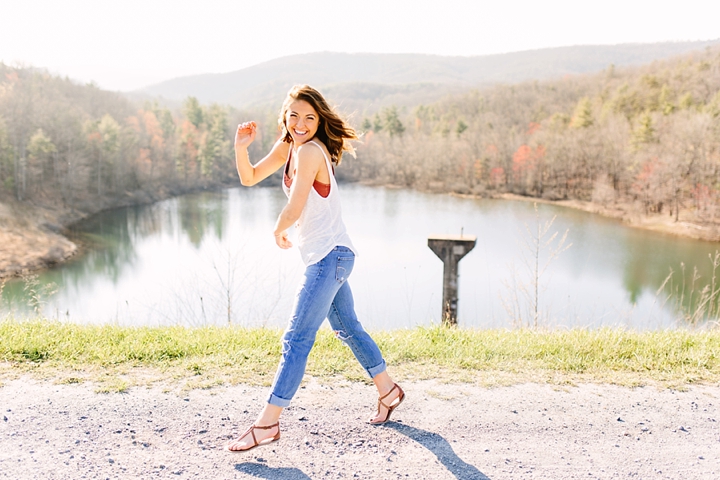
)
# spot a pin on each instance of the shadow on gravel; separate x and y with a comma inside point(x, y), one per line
point(442, 450)
point(263, 471)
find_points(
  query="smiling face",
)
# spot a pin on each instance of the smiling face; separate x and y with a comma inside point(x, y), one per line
point(301, 121)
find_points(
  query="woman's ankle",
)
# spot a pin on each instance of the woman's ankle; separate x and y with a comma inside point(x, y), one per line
point(270, 415)
point(383, 383)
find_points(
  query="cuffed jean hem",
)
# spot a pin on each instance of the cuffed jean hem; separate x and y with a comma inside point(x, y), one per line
point(377, 370)
point(281, 402)
point(277, 401)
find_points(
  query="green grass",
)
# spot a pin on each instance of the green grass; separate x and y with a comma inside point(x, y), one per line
point(116, 358)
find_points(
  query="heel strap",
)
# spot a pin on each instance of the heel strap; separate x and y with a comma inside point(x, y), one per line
point(380, 400)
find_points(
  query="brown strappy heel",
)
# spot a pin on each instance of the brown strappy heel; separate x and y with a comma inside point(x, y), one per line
point(251, 431)
point(392, 406)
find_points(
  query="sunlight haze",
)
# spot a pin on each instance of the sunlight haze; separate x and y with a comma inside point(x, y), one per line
point(132, 44)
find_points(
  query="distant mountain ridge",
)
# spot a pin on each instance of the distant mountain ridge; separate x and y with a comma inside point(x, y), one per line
point(364, 80)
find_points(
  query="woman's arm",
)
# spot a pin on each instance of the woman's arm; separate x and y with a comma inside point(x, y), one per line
point(253, 174)
point(309, 161)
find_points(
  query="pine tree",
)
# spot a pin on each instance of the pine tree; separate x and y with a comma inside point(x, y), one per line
point(392, 122)
point(377, 123)
point(366, 125)
point(687, 101)
point(583, 117)
point(193, 111)
point(713, 107)
point(665, 101)
point(645, 132)
point(7, 180)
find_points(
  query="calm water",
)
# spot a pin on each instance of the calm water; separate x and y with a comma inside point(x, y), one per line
point(210, 258)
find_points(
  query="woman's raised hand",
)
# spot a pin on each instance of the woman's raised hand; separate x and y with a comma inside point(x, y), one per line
point(245, 134)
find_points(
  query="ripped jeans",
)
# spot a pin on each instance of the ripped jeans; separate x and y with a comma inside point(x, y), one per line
point(324, 293)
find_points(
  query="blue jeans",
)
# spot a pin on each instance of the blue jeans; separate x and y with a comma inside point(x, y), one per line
point(324, 293)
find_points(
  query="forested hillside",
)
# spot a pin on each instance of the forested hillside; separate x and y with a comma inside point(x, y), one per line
point(366, 82)
point(642, 140)
point(80, 148)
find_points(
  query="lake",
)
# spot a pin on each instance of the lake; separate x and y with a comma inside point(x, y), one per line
point(210, 259)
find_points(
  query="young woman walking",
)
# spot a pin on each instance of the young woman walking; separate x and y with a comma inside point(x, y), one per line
point(311, 144)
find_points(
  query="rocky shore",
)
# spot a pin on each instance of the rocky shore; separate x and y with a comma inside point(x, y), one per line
point(31, 239)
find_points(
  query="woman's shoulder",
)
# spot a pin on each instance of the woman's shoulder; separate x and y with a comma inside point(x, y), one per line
point(281, 146)
point(312, 149)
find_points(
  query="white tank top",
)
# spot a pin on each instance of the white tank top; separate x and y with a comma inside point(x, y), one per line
point(320, 227)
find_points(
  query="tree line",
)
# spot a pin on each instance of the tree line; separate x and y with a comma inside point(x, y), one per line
point(81, 148)
point(645, 139)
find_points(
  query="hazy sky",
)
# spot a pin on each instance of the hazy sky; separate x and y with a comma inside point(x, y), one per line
point(128, 44)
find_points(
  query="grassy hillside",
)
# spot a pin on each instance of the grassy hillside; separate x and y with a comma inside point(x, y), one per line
point(379, 80)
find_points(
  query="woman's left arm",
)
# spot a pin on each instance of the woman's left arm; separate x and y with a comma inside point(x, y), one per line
point(309, 160)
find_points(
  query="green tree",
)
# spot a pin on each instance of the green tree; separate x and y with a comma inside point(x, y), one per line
point(167, 122)
point(169, 133)
point(559, 121)
point(713, 107)
point(665, 100)
point(110, 131)
point(366, 125)
point(216, 148)
point(392, 121)
point(461, 127)
point(104, 140)
point(7, 180)
point(40, 149)
point(645, 132)
point(686, 101)
point(583, 116)
point(193, 111)
point(377, 123)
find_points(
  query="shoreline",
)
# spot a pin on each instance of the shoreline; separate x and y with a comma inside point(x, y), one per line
point(37, 237)
point(33, 240)
point(656, 223)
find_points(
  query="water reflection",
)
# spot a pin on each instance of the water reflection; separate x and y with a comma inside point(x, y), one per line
point(210, 258)
point(200, 214)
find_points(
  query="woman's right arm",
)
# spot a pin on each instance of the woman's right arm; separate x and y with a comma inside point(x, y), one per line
point(253, 174)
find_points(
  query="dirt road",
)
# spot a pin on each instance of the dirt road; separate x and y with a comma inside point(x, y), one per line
point(456, 431)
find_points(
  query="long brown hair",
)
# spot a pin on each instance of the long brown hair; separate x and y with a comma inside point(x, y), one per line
point(333, 131)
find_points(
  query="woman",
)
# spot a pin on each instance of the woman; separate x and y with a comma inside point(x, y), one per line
point(311, 144)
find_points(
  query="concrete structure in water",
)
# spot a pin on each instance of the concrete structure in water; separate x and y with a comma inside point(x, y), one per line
point(450, 249)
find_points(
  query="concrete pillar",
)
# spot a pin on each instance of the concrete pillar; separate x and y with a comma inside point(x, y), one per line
point(450, 249)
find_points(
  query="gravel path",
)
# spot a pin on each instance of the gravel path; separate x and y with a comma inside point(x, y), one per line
point(456, 431)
